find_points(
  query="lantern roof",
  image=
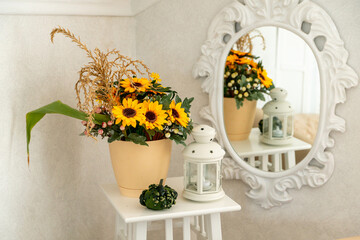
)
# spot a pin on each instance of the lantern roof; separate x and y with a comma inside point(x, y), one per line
point(278, 104)
point(203, 151)
point(203, 147)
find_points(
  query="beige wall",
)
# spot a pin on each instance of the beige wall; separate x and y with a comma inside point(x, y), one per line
point(59, 197)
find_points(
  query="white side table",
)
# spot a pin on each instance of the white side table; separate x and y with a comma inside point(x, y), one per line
point(132, 218)
point(257, 154)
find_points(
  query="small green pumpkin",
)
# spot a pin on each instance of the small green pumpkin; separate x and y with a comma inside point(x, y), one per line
point(158, 197)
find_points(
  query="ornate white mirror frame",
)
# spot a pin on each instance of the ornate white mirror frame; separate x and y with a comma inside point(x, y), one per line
point(314, 26)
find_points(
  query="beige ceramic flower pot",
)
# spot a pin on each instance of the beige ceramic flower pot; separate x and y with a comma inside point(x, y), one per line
point(137, 166)
point(238, 122)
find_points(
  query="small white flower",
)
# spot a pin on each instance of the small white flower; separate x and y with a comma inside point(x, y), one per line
point(246, 94)
point(236, 91)
point(229, 84)
point(176, 131)
point(167, 135)
point(227, 73)
point(256, 80)
point(234, 75)
point(239, 81)
point(169, 123)
point(243, 88)
point(240, 95)
point(255, 85)
point(232, 81)
point(248, 86)
point(262, 85)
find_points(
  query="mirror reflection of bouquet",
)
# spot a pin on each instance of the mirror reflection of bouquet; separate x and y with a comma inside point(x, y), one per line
point(244, 78)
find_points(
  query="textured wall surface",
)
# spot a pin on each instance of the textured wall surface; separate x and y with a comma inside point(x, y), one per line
point(59, 196)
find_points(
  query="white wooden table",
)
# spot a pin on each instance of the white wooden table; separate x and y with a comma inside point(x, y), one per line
point(132, 218)
point(258, 154)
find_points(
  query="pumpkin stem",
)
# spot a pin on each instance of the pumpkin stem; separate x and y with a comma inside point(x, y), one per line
point(161, 182)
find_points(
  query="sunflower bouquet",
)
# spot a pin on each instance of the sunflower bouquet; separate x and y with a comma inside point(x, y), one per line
point(122, 100)
point(244, 78)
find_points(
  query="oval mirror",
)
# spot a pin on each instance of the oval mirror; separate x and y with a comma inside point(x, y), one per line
point(271, 98)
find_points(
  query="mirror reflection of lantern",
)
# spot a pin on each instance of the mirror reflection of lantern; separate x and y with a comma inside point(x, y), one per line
point(202, 166)
point(277, 125)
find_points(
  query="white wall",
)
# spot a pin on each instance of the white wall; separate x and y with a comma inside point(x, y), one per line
point(59, 197)
point(170, 35)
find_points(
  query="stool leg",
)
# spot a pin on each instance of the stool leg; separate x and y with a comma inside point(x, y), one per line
point(290, 159)
point(140, 230)
point(276, 162)
point(213, 226)
point(264, 162)
point(186, 228)
point(252, 161)
point(169, 229)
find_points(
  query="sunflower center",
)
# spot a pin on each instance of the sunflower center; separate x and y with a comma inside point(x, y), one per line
point(175, 113)
point(262, 76)
point(150, 116)
point(137, 84)
point(129, 112)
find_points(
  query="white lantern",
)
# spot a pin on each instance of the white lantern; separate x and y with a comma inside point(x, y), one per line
point(202, 166)
point(278, 120)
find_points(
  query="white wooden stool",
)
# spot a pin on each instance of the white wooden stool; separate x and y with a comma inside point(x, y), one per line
point(259, 154)
point(132, 219)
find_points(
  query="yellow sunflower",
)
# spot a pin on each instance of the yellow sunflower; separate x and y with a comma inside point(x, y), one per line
point(230, 60)
point(178, 114)
point(262, 75)
point(135, 84)
point(154, 115)
point(238, 53)
point(128, 113)
point(156, 77)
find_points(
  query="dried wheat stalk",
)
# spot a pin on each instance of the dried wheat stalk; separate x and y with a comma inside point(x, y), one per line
point(244, 44)
point(98, 80)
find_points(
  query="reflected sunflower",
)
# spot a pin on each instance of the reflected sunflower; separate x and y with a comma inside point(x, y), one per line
point(262, 75)
point(154, 115)
point(128, 113)
point(156, 77)
point(238, 53)
point(135, 84)
point(178, 114)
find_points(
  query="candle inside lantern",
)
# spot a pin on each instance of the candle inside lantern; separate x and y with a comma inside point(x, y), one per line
point(277, 132)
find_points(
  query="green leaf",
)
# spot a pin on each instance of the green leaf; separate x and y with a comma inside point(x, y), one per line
point(57, 107)
point(137, 139)
point(186, 104)
point(177, 99)
point(166, 101)
point(261, 96)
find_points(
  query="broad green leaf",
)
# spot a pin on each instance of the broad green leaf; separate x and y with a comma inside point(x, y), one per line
point(57, 107)
point(138, 139)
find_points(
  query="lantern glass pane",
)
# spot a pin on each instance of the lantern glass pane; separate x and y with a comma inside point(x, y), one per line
point(210, 176)
point(191, 176)
point(266, 125)
point(289, 129)
point(278, 126)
